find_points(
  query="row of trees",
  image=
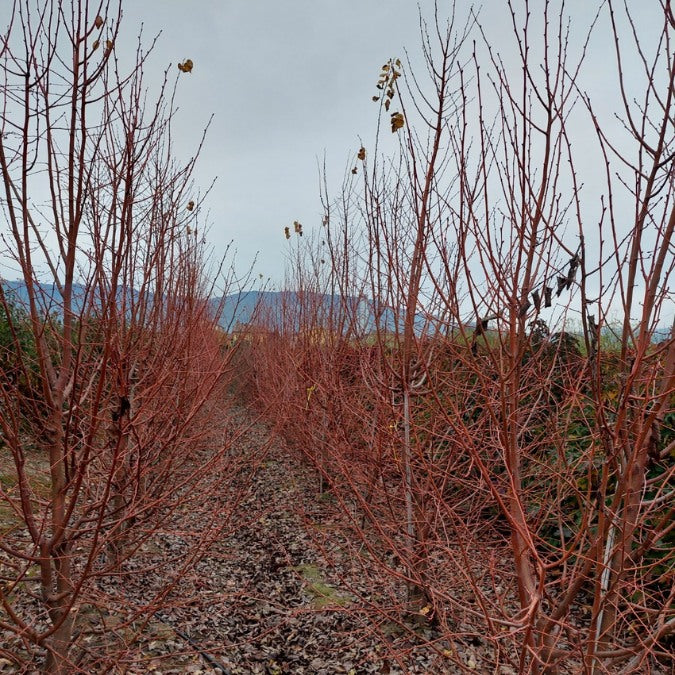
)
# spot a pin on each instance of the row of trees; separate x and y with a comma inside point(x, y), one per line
point(111, 361)
point(516, 481)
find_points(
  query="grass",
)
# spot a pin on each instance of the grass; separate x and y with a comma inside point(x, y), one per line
point(36, 467)
point(324, 595)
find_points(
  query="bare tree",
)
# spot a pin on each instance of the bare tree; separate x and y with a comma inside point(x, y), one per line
point(521, 474)
point(124, 350)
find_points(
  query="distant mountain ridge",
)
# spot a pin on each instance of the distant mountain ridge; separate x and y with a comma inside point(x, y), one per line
point(246, 306)
point(266, 306)
point(50, 296)
point(235, 308)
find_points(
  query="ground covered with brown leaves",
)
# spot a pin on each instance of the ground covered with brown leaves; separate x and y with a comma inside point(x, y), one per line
point(265, 599)
point(281, 590)
point(278, 591)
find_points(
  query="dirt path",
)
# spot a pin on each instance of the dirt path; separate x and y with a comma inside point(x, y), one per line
point(263, 600)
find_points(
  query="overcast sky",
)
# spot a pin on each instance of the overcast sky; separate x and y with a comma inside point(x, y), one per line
point(291, 82)
point(288, 83)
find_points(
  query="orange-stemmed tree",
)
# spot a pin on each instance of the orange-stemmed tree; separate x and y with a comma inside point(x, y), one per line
point(107, 413)
point(511, 472)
